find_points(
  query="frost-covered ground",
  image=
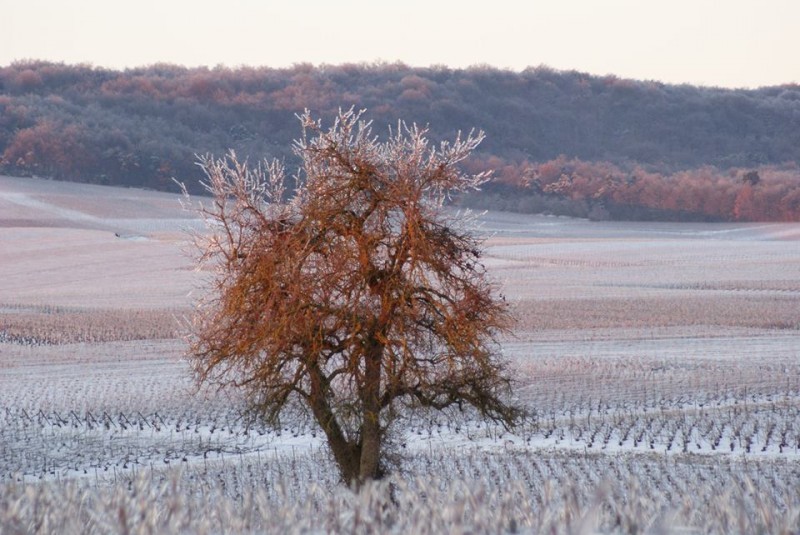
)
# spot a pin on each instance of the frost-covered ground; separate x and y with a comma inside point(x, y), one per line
point(662, 362)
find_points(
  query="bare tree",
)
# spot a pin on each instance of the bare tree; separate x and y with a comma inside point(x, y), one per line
point(360, 298)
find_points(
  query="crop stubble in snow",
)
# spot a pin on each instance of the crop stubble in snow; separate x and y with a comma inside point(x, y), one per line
point(663, 359)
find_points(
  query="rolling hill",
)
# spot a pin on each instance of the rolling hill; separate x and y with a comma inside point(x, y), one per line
point(560, 142)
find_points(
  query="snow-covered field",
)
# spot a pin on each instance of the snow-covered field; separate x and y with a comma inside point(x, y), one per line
point(662, 362)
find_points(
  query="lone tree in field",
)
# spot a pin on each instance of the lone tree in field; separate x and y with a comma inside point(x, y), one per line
point(358, 299)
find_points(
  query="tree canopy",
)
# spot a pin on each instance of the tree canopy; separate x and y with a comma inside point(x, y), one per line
point(358, 297)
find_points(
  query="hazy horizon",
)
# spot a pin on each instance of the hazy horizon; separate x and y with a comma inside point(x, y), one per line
point(701, 42)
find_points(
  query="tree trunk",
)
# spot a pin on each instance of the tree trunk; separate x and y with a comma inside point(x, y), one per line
point(371, 425)
point(346, 454)
point(370, 448)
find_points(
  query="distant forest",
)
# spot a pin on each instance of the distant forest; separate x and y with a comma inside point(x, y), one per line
point(565, 143)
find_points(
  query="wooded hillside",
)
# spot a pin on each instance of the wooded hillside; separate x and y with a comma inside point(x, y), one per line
point(561, 142)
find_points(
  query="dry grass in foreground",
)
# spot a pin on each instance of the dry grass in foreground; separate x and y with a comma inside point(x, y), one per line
point(487, 493)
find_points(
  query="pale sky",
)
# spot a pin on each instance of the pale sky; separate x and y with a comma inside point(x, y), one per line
point(728, 43)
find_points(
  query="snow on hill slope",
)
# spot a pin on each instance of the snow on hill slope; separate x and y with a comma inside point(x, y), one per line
point(69, 244)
